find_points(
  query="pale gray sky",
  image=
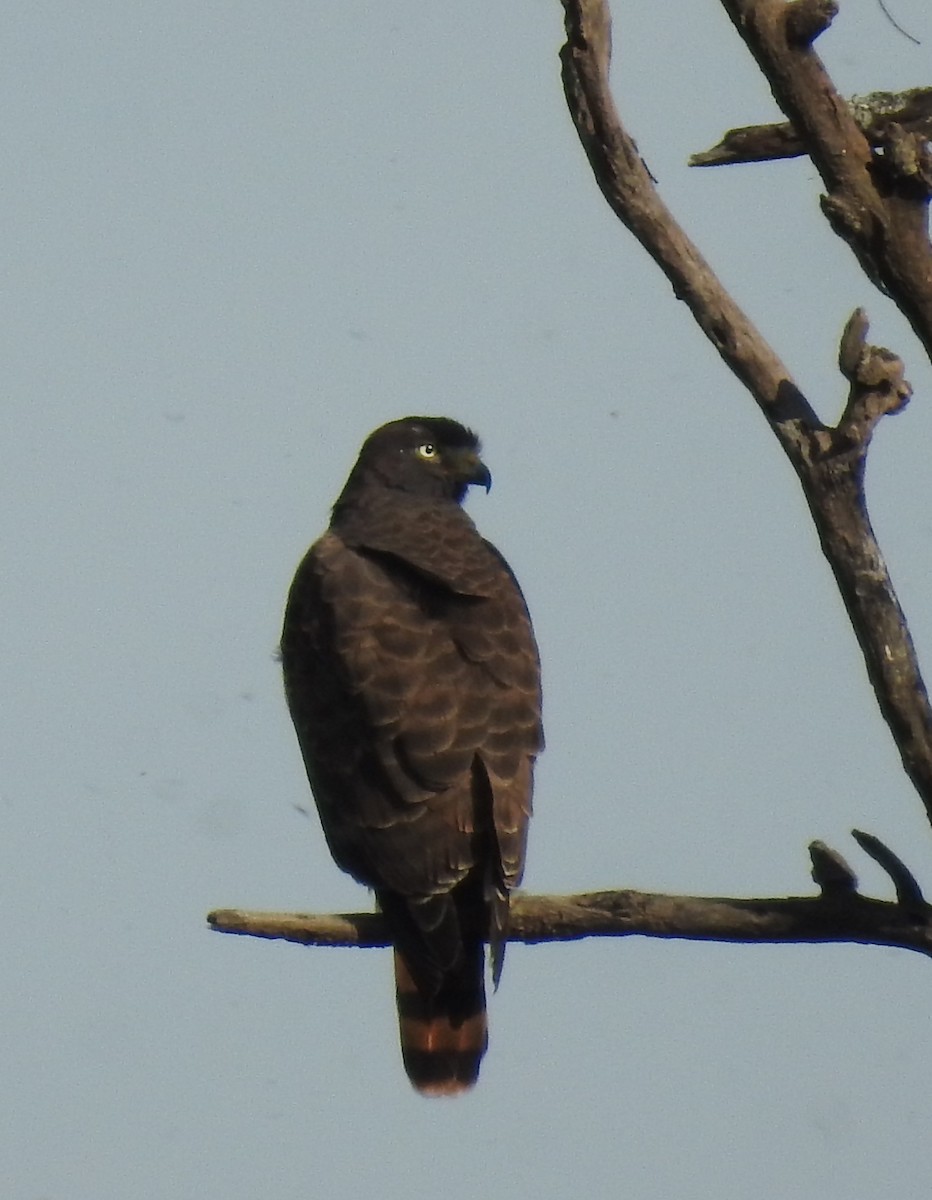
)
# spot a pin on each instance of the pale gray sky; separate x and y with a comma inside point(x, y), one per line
point(238, 237)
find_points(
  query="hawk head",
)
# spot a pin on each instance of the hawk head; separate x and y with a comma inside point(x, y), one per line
point(426, 456)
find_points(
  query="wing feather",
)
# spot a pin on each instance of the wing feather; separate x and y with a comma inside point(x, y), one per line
point(408, 660)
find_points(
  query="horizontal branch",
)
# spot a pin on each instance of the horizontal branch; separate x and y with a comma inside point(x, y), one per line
point(839, 914)
point(826, 918)
point(874, 114)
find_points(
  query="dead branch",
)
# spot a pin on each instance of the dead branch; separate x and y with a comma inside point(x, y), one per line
point(877, 200)
point(830, 462)
point(908, 893)
point(874, 115)
point(839, 914)
point(629, 189)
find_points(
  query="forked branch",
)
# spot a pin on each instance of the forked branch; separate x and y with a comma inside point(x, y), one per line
point(877, 199)
point(829, 461)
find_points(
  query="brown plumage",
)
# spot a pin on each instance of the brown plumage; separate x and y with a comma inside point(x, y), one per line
point(413, 680)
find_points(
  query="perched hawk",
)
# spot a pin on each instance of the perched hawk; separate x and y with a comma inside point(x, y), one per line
point(413, 680)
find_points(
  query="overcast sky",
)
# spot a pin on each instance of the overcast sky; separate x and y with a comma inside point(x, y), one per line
point(239, 236)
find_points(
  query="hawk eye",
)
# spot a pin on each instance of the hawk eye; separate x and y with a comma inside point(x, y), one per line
point(427, 451)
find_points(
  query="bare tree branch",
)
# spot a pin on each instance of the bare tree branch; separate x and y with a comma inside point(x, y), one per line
point(830, 462)
point(908, 893)
point(839, 914)
point(874, 113)
point(629, 189)
point(878, 202)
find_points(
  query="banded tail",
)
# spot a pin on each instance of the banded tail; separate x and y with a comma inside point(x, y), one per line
point(444, 1033)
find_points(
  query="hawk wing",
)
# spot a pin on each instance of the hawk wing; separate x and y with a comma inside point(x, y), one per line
point(409, 670)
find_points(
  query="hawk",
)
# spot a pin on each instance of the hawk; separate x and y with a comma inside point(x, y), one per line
point(413, 680)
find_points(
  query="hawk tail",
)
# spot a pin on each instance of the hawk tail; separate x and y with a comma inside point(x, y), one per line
point(443, 1032)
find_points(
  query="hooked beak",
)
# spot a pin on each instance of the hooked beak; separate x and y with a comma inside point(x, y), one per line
point(471, 469)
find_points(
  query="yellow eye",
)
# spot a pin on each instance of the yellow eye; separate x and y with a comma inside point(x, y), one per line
point(427, 451)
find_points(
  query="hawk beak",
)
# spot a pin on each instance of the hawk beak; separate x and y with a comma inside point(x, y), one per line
point(481, 475)
point(471, 469)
